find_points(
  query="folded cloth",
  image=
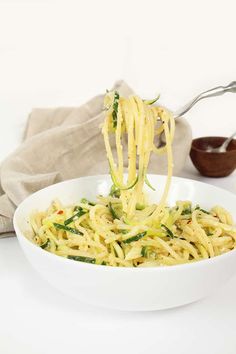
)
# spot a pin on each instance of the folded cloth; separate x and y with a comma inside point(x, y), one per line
point(63, 143)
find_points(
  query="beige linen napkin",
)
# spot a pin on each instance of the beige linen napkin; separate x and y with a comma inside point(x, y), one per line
point(64, 143)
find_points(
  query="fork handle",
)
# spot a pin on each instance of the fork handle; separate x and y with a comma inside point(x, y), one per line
point(216, 91)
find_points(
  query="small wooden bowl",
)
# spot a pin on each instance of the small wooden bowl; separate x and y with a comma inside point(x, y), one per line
point(212, 164)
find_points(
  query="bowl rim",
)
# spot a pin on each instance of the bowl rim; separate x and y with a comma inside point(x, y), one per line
point(209, 152)
point(199, 263)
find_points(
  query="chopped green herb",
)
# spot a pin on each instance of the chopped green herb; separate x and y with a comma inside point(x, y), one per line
point(116, 254)
point(135, 238)
point(66, 228)
point(187, 211)
point(103, 263)
point(76, 216)
point(205, 211)
point(144, 251)
point(113, 212)
point(45, 244)
point(124, 231)
point(86, 201)
point(82, 259)
point(209, 234)
point(202, 210)
point(115, 109)
point(168, 231)
point(77, 208)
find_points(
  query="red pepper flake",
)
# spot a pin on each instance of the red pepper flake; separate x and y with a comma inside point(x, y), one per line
point(60, 212)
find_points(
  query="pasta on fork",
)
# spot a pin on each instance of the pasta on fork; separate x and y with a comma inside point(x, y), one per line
point(123, 228)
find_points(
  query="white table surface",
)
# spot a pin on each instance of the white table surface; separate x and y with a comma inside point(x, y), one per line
point(63, 52)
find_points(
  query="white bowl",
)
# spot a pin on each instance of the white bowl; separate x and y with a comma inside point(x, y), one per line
point(142, 289)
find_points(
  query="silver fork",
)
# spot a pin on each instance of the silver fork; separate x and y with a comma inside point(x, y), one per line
point(216, 91)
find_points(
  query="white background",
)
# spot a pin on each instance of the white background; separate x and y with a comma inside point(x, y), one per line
point(57, 53)
point(63, 52)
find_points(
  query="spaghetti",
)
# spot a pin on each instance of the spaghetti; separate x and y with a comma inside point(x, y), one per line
point(123, 229)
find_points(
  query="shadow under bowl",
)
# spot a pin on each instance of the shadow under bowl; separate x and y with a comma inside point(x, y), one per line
point(213, 164)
